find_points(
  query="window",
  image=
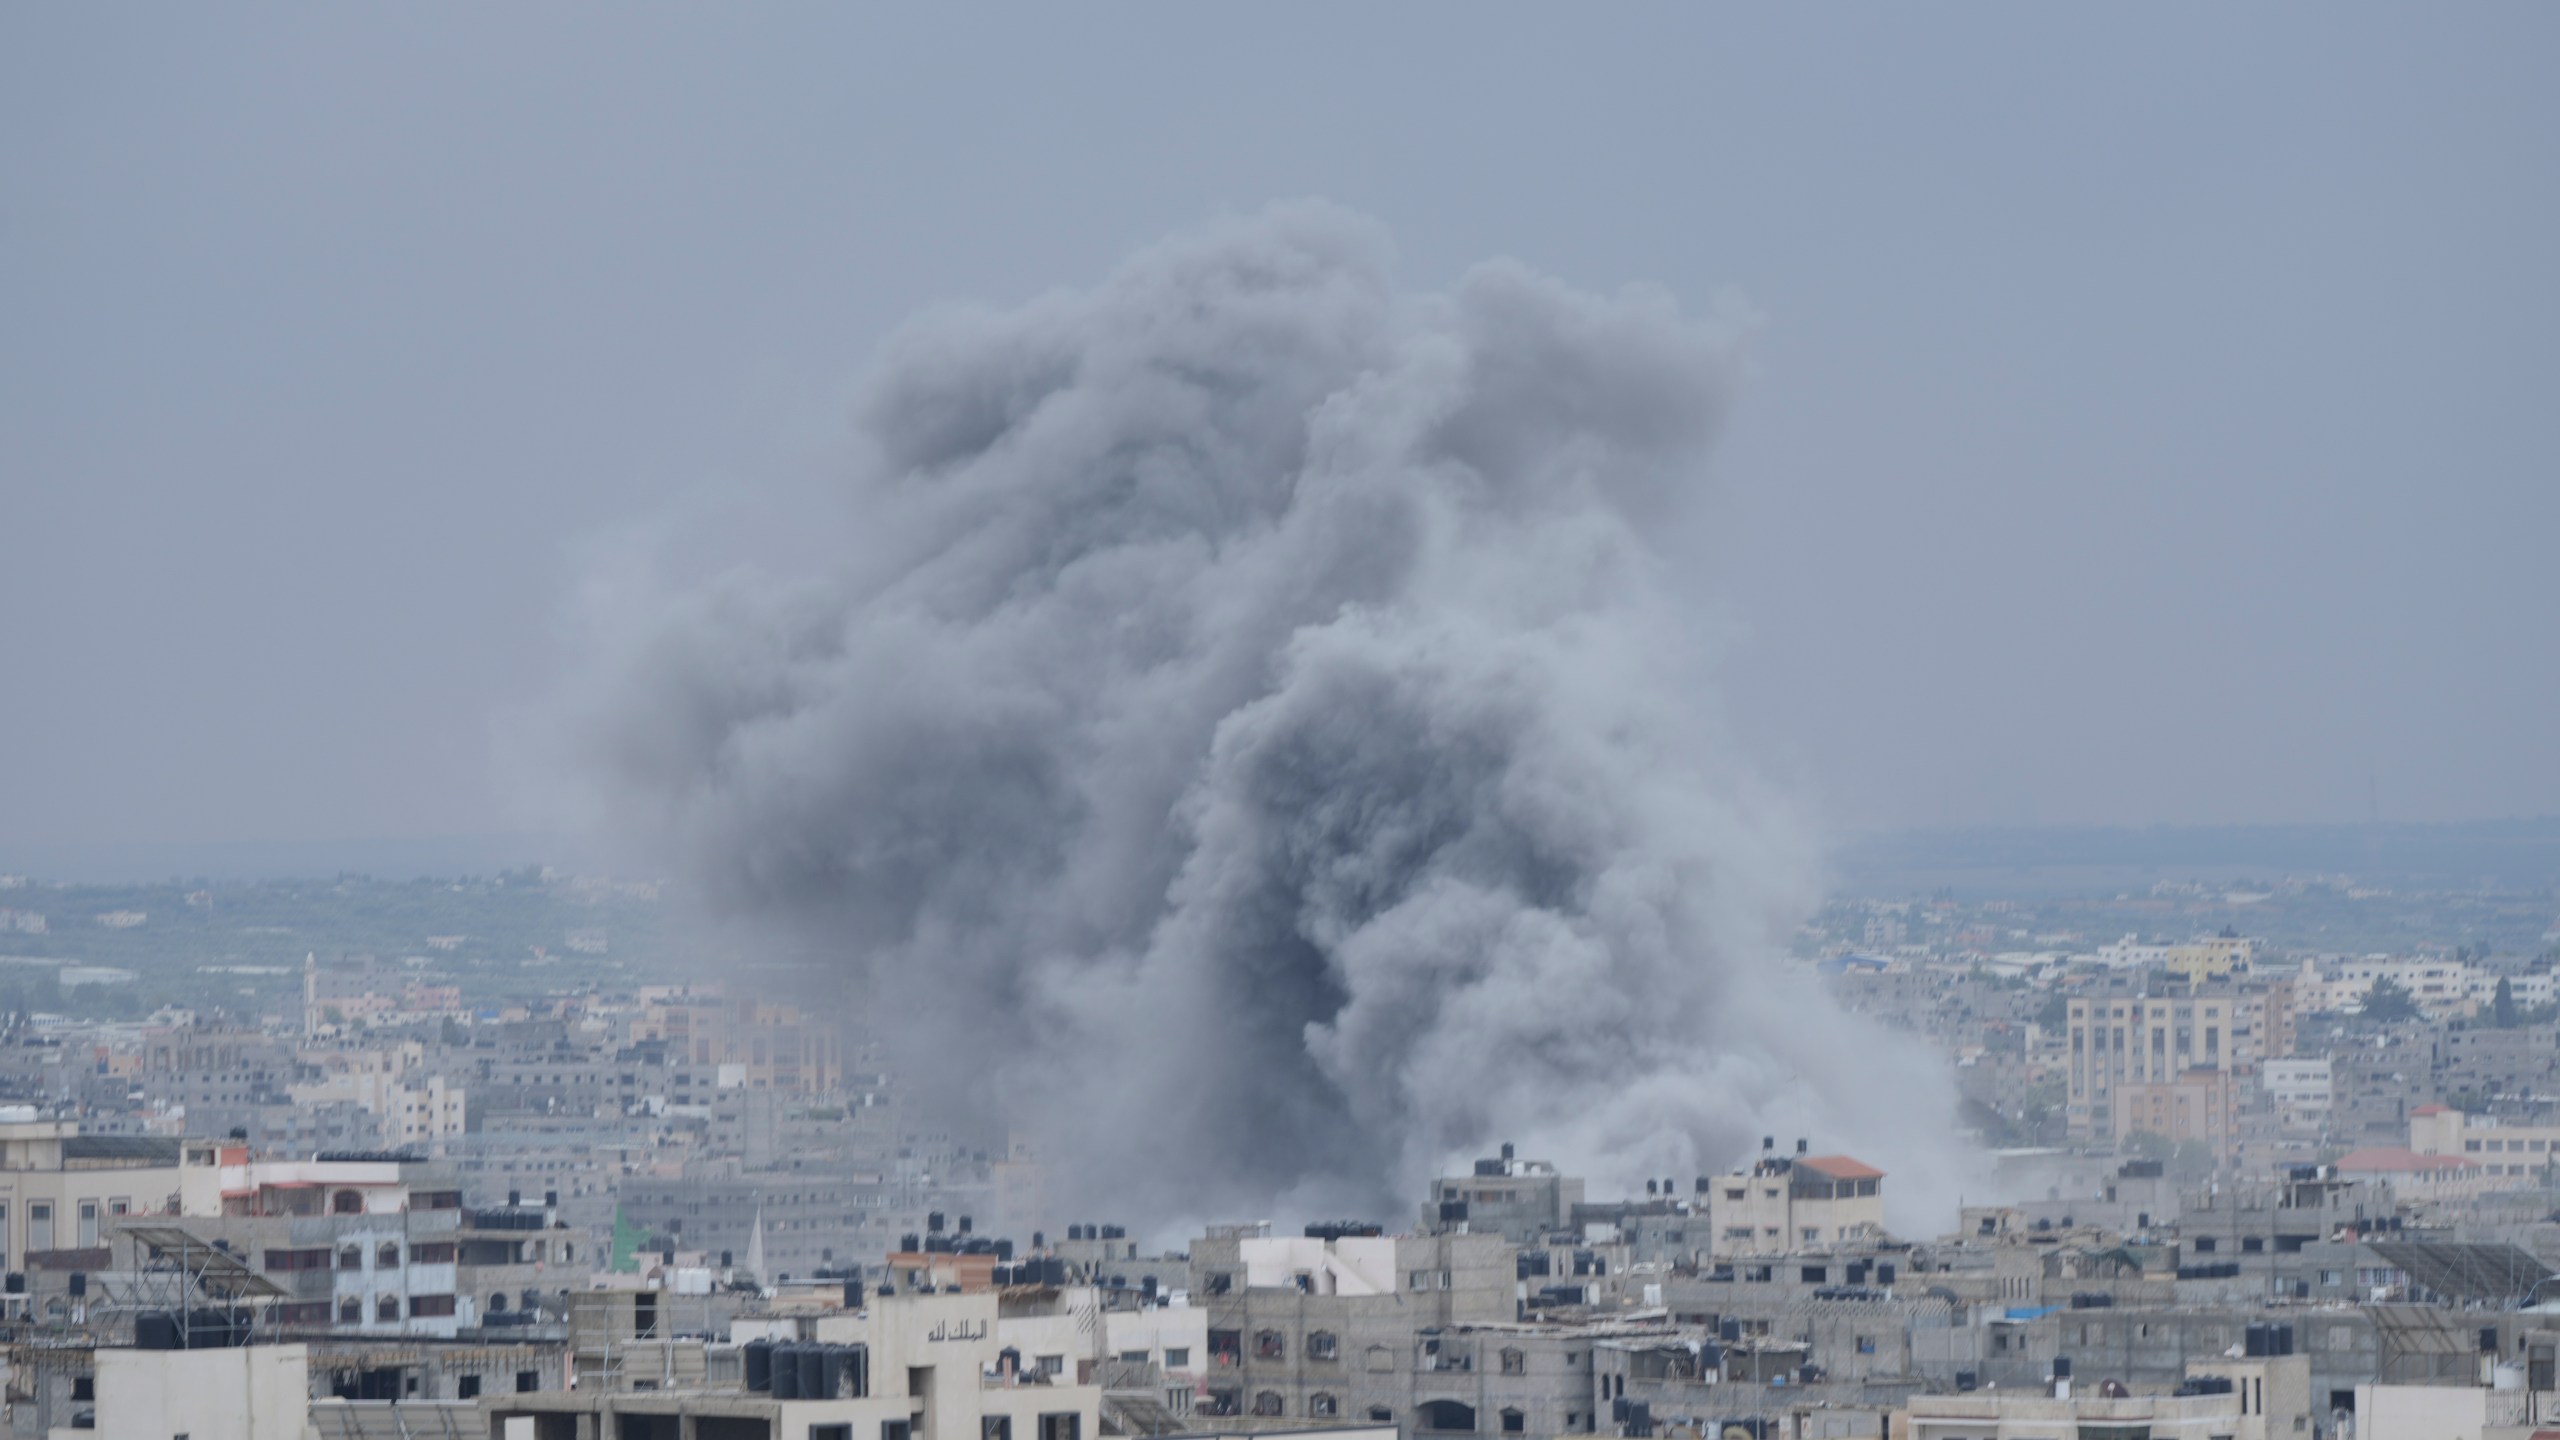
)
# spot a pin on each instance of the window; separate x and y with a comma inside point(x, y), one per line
point(351, 1311)
point(1323, 1406)
point(1866, 1344)
point(346, 1202)
point(350, 1257)
point(1053, 1364)
point(1270, 1345)
point(1381, 1360)
point(1065, 1425)
point(1418, 1280)
point(88, 1224)
point(468, 1388)
point(386, 1256)
point(40, 1225)
point(896, 1429)
point(1513, 1422)
point(1514, 1363)
point(386, 1309)
point(1445, 1415)
point(432, 1252)
point(1321, 1345)
point(1133, 1357)
point(1225, 1402)
point(1177, 1357)
point(528, 1381)
point(995, 1427)
point(432, 1305)
point(1381, 1415)
point(1267, 1403)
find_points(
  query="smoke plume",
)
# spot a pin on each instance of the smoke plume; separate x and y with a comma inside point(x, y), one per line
point(1257, 740)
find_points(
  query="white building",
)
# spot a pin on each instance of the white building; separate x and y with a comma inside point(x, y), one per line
point(2300, 1091)
point(246, 1392)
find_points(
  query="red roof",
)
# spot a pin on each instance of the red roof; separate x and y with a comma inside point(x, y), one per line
point(2391, 1158)
point(1841, 1167)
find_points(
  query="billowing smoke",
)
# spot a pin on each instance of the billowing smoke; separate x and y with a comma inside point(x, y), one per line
point(1258, 740)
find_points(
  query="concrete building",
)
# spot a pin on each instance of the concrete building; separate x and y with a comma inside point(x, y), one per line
point(2152, 1040)
point(61, 1189)
point(1789, 1203)
point(245, 1392)
point(372, 1245)
point(909, 1367)
point(2200, 1106)
point(2503, 1149)
point(2298, 1089)
point(1417, 1330)
point(2010, 1415)
point(1523, 1201)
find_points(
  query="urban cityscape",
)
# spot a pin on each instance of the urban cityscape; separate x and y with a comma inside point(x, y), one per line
point(2236, 1173)
point(1484, 721)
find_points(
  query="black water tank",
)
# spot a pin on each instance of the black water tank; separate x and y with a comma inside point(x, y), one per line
point(79, 1283)
point(1004, 1252)
point(816, 1381)
point(759, 1362)
point(964, 1224)
point(16, 1284)
point(155, 1330)
point(933, 1222)
point(785, 1383)
point(2061, 1367)
point(2253, 1341)
point(853, 1294)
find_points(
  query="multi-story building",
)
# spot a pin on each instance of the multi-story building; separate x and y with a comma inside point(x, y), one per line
point(60, 1189)
point(2200, 1106)
point(2299, 1091)
point(1788, 1203)
point(2152, 1040)
point(2501, 1148)
point(1375, 1329)
point(1523, 1201)
point(369, 1244)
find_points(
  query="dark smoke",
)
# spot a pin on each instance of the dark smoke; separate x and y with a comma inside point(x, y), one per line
point(1256, 739)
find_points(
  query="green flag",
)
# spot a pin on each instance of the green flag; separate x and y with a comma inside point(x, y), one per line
point(626, 1246)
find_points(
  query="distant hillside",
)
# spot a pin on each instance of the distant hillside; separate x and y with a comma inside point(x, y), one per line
point(2507, 854)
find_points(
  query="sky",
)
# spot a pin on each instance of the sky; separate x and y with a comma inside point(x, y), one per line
point(2149, 415)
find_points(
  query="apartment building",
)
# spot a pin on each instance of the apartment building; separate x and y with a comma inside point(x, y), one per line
point(2154, 1040)
point(1377, 1330)
point(2502, 1149)
point(61, 1190)
point(1789, 1203)
point(2201, 1106)
point(2298, 1090)
point(1523, 1201)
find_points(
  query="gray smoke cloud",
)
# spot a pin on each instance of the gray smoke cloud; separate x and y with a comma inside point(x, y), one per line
point(1258, 740)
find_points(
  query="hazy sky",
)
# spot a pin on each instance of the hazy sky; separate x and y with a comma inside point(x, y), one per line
point(2156, 414)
